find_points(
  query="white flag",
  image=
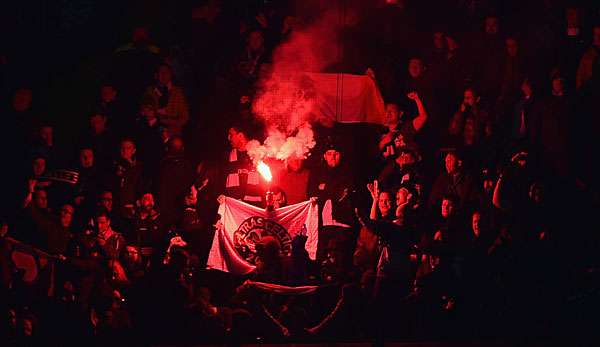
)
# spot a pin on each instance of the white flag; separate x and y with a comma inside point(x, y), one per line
point(242, 226)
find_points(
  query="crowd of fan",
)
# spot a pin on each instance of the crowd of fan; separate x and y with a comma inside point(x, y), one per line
point(469, 213)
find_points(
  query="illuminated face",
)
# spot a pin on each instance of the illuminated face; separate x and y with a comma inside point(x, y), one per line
point(255, 41)
point(401, 196)
point(86, 158)
point(127, 150)
point(98, 123)
point(27, 327)
point(106, 200)
point(148, 112)
point(488, 185)
point(536, 193)
point(452, 163)
point(22, 100)
point(294, 163)
point(176, 145)
point(40, 198)
point(332, 158)
point(66, 215)
point(491, 25)
point(39, 166)
point(392, 114)
point(279, 200)
point(131, 254)
point(558, 86)
point(415, 67)
point(165, 76)
point(476, 224)
point(236, 139)
point(526, 88)
point(103, 224)
point(165, 134)
point(439, 40)
point(147, 202)
point(512, 47)
point(469, 97)
point(447, 208)
point(108, 93)
point(46, 133)
point(572, 17)
point(384, 203)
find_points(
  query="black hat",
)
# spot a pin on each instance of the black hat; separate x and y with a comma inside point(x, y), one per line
point(332, 142)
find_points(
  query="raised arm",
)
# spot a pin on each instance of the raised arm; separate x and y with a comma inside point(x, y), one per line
point(421, 118)
point(374, 190)
point(497, 191)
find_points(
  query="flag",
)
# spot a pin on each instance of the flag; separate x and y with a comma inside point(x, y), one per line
point(35, 266)
point(348, 98)
point(242, 226)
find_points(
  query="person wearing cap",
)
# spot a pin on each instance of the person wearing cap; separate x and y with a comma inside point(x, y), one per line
point(332, 183)
point(402, 170)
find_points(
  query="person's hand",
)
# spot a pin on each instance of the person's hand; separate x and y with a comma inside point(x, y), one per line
point(374, 189)
point(519, 158)
point(3, 229)
point(244, 99)
point(61, 257)
point(193, 194)
point(310, 331)
point(177, 241)
point(78, 200)
point(413, 96)
point(370, 73)
point(221, 199)
point(463, 107)
point(314, 200)
point(388, 137)
point(162, 111)
point(203, 185)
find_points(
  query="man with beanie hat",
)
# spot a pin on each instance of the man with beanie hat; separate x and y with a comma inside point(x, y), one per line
point(332, 183)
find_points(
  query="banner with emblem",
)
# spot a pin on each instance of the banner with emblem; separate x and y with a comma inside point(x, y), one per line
point(242, 226)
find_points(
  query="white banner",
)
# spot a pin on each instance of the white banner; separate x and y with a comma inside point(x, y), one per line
point(242, 226)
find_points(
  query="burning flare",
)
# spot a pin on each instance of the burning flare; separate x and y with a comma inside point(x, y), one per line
point(264, 170)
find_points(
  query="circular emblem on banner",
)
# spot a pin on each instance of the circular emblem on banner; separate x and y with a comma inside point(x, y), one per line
point(252, 230)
